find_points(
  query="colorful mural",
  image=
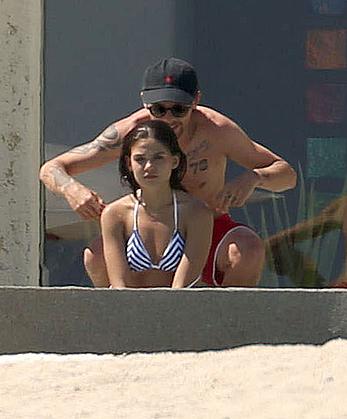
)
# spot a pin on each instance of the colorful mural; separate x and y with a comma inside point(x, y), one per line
point(326, 49)
point(326, 103)
point(328, 7)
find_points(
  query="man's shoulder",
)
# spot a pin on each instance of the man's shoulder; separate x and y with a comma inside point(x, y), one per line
point(130, 121)
point(220, 131)
point(209, 118)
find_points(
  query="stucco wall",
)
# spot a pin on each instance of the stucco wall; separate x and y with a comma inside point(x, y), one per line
point(20, 67)
point(80, 320)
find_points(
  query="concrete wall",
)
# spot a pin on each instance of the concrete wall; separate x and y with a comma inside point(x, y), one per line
point(75, 320)
point(20, 86)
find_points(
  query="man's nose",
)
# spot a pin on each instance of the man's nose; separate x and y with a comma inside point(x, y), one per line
point(168, 116)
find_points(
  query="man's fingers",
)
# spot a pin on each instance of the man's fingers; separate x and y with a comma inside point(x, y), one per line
point(90, 210)
point(96, 210)
point(232, 200)
point(88, 213)
point(87, 203)
point(102, 205)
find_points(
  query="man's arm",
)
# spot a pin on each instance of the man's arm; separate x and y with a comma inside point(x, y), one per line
point(57, 173)
point(266, 170)
point(277, 176)
point(272, 171)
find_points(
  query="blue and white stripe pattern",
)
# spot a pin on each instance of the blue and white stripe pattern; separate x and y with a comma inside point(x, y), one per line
point(138, 256)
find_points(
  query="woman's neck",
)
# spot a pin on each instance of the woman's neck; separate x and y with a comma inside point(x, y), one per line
point(153, 199)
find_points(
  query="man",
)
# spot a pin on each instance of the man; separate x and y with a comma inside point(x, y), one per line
point(171, 93)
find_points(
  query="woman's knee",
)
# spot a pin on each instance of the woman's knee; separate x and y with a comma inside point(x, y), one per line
point(89, 258)
point(93, 257)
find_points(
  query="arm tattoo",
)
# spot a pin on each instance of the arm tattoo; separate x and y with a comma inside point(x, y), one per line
point(56, 179)
point(108, 140)
point(111, 133)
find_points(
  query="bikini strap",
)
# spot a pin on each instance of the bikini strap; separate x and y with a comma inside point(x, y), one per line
point(136, 211)
point(175, 210)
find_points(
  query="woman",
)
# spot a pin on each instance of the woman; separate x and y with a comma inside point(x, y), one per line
point(157, 236)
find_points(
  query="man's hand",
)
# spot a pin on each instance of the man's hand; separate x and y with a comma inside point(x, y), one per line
point(84, 201)
point(236, 192)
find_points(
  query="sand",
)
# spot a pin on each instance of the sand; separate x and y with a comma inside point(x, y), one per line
point(256, 381)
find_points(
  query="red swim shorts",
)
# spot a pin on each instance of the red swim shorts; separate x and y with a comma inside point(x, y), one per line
point(222, 225)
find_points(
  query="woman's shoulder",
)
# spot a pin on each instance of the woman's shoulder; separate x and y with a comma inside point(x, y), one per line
point(119, 208)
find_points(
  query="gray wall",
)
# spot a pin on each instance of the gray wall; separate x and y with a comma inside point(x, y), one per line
point(95, 55)
point(72, 320)
point(20, 140)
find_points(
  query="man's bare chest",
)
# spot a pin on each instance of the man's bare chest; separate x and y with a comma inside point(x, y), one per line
point(198, 157)
point(205, 168)
point(202, 158)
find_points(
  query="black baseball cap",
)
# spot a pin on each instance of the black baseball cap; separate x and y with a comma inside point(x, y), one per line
point(171, 80)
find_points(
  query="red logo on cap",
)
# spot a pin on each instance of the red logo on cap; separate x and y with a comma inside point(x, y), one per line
point(168, 79)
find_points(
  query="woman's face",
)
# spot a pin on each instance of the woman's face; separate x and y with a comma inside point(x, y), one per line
point(151, 162)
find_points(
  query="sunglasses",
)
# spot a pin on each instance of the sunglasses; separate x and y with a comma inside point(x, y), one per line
point(158, 110)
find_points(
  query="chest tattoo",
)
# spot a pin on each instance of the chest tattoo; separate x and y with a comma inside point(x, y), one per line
point(197, 164)
point(201, 147)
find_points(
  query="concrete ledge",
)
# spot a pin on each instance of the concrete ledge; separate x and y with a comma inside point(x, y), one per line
point(81, 320)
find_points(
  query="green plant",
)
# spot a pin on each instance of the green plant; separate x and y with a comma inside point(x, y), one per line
point(304, 253)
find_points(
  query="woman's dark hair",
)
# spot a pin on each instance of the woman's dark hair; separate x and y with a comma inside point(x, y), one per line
point(161, 132)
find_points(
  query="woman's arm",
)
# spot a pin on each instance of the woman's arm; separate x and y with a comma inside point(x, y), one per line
point(112, 227)
point(197, 246)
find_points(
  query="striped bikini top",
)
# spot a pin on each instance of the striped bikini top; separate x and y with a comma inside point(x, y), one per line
point(138, 256)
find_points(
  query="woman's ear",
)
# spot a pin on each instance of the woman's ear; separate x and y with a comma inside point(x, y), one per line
point(176, 162)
